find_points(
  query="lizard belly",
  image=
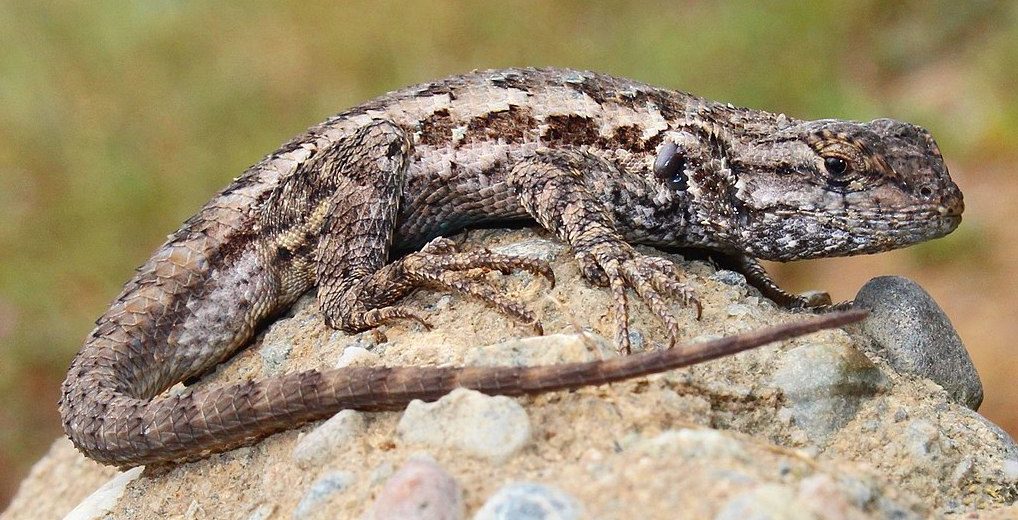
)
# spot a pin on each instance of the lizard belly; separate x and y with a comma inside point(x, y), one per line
point(451, 187)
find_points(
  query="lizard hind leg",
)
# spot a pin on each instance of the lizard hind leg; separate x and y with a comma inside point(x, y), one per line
point(373, 300)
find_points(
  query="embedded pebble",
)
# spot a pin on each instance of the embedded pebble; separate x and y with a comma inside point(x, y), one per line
point(729, 277)
point(764, 502)
point(317, 445)
point(918, 338)
point(484, 426)
point(1009, 468)
point(104, 499)
point(824, 386)
point(262, 512)
point(420, 490)
point(319, 493)
point(529, 501)
point(274, 355)
point(357, 356)
point(738, 310)
point(693, 443)
point(539, 248)
point(542, 350)
point(923, 441)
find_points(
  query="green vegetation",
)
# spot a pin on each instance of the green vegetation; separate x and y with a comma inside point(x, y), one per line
point(118, 119)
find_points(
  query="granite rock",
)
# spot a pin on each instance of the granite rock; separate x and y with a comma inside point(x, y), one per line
point(825, 384)
point(319, 444)
point(529, 501)
point(918, 338)
point(466, 420)
point(824, 424)
point(420, 490)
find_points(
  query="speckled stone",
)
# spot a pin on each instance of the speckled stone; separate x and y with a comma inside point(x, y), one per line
point(918, 338)
point(529, 501)
point(824, 385)
point(316, 446)
point(493, 428)
point(320, 492)
point(275, 355)
point(420, 490)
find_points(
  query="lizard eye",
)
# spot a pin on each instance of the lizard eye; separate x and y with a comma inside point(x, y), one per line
point(670, 167)
point(836, 166)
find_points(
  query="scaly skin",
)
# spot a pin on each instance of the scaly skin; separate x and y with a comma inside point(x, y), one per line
point(603, 162)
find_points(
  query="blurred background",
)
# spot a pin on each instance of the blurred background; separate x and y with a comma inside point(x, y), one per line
point(119, 119)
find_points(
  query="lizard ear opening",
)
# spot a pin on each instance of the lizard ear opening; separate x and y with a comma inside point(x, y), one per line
point(670, 167)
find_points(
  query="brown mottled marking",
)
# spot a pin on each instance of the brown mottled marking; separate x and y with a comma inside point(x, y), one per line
point(511, 126)
point(436, 129)
point(571, 129)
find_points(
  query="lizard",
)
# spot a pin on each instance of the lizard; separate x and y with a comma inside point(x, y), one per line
point(358, 206)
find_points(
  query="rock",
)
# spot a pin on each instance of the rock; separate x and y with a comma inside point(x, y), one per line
point(729, 278)
point(825, 385)
point(420, 490)
point(736, 436)
point(764, 502)
point(542, 350)
point(104, 499)
point(262, 512)
point(690, 443)
point(529, 501)
point(539, 248)
point(357, 356)
point(319, 444)
point(274, 355)
point(918, 338)
point(320, 492)
point(816, 496)
point(484, 426)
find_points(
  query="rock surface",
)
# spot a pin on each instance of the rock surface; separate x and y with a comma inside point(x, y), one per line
point(824, 386)
point(825, 426)
point(333, 434)
point(467, 421)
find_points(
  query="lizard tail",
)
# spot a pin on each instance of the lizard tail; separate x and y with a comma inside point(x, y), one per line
point(193, 425)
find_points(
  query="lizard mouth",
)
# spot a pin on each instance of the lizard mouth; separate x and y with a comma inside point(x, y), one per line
point(949, 223)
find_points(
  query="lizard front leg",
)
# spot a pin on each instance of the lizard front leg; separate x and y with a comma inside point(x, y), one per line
point(357, 290)
point(758, 277)
point(556, 189)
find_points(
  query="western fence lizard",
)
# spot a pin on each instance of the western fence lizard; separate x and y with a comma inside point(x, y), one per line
point(602, 162)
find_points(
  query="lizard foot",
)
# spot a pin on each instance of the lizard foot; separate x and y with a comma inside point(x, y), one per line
point(440, 264)
point(372, 300)
point(654, 279)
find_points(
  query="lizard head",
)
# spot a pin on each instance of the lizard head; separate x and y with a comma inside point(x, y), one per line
point(825, 188)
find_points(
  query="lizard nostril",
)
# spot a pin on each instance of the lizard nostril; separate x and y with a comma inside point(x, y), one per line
point(956, 208)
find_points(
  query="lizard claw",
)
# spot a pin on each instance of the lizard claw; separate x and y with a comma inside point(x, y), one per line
point(652, 278)
point(375, 317)
point(440, 264)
